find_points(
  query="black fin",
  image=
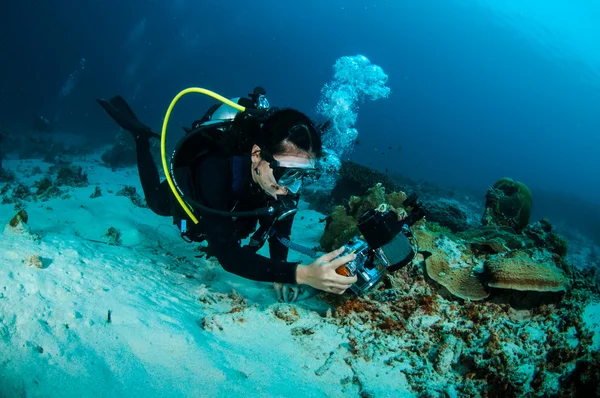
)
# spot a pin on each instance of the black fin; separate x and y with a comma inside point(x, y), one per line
point(121, 112)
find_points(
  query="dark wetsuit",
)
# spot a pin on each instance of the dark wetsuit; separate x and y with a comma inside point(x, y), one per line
point(222, 182)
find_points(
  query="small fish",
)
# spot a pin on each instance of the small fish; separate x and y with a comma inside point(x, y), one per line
point(357, 142)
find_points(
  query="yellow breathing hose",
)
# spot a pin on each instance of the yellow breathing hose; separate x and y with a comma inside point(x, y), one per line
point(163, 139)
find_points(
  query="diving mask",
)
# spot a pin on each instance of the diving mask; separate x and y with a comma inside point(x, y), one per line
point(291, 174)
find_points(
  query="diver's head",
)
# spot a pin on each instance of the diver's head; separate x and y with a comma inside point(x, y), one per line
point(286, 152)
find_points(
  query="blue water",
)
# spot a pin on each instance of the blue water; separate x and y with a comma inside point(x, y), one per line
point(479, 89)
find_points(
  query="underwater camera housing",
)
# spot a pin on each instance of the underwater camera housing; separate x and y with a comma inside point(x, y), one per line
point(382, 246)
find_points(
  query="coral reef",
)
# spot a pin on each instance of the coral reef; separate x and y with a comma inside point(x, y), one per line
point(485, 335)
point(507, 203)
point(471, 263)
point(45, 188)
point(6, 175)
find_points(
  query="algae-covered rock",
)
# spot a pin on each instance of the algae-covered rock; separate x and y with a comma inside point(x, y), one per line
point(508, 203)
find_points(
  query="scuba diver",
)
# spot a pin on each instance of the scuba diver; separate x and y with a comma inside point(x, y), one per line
point(234, 174)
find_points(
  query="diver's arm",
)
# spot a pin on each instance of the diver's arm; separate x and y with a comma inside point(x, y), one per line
point(243, 261)
point(213, 185)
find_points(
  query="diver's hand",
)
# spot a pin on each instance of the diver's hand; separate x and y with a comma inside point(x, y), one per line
point(286, 292)
point(321, 274)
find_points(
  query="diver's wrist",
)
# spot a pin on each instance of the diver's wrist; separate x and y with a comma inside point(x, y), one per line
point(300, 274)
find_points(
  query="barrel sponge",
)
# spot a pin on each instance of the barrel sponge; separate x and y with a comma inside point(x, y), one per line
point(508, 203)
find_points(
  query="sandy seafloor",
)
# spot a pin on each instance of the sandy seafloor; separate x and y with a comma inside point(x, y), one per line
point(180, 326)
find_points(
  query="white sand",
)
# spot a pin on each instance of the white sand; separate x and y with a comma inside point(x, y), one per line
point(170, 334)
